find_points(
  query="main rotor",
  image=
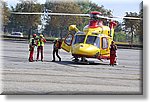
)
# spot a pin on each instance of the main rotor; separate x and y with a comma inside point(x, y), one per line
point(95, 15)
point(92, 15)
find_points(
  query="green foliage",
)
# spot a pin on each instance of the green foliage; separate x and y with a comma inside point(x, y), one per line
point(131, 26)
point(120, 37)
point(95, 7)
point(140, 29)
point(58, 25)
point(5, 13)
point(27, 21)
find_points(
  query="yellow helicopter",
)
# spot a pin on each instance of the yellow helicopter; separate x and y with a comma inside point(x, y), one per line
point(95, 39)
point(93, 42)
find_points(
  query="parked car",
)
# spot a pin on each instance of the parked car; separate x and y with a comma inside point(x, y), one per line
point(17, 34)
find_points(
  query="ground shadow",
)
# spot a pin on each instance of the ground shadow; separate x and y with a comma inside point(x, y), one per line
point(80, 63)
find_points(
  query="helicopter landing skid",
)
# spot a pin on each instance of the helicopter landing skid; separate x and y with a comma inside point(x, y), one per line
point(83, 62)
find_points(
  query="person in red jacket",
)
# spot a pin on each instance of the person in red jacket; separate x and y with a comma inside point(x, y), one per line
point(113, 49)
point(32, 44)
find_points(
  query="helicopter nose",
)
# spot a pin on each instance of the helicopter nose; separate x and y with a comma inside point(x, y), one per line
point(85, 49)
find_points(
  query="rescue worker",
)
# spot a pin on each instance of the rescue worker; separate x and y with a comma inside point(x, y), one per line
point(56, 47)
point(113, 49)
point(40, 48)
point(32, 44)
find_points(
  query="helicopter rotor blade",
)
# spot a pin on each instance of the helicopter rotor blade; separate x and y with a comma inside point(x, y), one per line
point(114, 18)
point(69, 14)
point(55, 14)
point(103, 17)
point(132, 18)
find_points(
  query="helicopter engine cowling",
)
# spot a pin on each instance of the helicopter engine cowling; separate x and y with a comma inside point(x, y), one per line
point(98, 30)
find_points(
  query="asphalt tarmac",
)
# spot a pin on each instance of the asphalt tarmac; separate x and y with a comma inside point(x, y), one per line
point(66, 77)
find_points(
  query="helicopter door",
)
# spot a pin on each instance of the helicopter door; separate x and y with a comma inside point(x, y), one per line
point(66, 44)
point(104, 46)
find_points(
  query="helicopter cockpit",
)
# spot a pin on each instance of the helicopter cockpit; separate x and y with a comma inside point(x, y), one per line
point(93, 40)
point(81, 37)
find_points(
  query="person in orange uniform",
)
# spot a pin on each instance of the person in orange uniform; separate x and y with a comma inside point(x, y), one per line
point(32, 44)
point(56, 47)
point(113, 49)
point(40, 48)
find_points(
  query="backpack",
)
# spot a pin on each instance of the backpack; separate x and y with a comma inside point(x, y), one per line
point(58, 44)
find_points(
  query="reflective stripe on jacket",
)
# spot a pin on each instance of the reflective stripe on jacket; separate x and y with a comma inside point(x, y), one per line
point(32, 42)
point(41, 41)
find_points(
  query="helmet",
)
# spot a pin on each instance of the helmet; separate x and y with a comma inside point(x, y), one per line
point(34, 35)
point(41, 35)
point(55, 40)
point(112, 42)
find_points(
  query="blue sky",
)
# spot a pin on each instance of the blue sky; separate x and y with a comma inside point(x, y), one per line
point(119, 7)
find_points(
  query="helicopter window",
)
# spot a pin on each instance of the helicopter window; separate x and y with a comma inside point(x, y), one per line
point(104, 43)
point(97, 42)
point(91, 40)
point(94, 40)
point(79, 39)
point(68, 39)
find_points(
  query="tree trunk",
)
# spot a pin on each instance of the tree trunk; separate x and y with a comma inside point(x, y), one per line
point(132, 33)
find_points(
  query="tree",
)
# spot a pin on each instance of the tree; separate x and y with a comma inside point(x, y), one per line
point(26, 21)
point(59, 24)
point(140, 29)
point(131, 26)
point(5, 14)
point(89, 6)
point(95, 7)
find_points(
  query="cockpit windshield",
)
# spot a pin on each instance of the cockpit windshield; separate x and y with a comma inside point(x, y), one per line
point(94, 40)
point(79, 39)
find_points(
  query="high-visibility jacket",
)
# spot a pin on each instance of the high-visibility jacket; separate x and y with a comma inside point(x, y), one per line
point(41, 41)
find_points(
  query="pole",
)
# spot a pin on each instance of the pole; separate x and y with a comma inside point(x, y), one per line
point(29, 19)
